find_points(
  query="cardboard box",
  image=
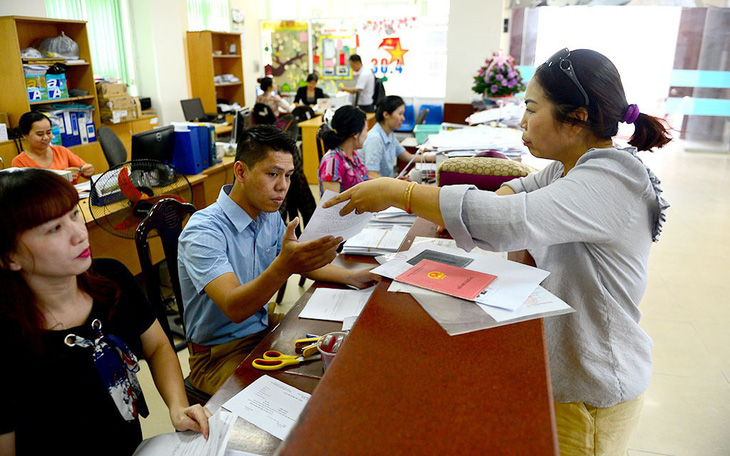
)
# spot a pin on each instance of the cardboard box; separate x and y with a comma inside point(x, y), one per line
point(137, 107)
point(117, 103)
point(116, 116)
point(110, 90)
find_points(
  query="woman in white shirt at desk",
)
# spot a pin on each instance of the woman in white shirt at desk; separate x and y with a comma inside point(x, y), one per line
point(589, 218)
point(271, 98)
point(381, 147)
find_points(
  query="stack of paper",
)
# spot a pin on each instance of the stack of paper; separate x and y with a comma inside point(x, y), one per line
point(505, 140)
point(373, 241)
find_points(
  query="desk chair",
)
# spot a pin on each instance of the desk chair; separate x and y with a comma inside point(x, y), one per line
point(112, 146)
point(320, 140)
point(263, 115)
point(435, 114)
point(166, 217)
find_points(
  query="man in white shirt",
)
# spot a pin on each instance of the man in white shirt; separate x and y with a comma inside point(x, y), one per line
point(365, 85)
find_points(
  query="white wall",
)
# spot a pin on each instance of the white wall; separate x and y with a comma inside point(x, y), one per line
point(475, 31)
point(32, 8)
point(159, 39)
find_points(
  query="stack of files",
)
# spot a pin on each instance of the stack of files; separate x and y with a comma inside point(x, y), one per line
point(391, 216)
point(374, 241)
point(479, 138)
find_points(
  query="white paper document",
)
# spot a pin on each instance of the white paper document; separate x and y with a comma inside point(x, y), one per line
point(270, 404)
point(376, 241)
point(459, 316)
point(335, 304)
point(191, 443)
point(325, 222)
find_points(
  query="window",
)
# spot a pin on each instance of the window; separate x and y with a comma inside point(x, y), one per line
point(108, 27)
point(209, 15)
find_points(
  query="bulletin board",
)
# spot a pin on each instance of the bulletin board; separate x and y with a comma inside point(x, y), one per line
point(286, 52)
point(410, 53)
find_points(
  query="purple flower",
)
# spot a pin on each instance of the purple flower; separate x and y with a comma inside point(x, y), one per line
point(512, 74)
point(499, 77)
point(511, 83)
point(494, 88)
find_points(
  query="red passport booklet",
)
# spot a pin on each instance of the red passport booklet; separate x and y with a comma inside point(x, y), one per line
point(447, 279)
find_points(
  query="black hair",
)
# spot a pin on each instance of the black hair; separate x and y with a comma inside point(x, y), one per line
point(28, 119)
point(348, 121)
point(355, 58)
point(607, 100)
point(388, 104)
point(265, 82)
point(31, 197)
point(312, 77)
point(258, 140)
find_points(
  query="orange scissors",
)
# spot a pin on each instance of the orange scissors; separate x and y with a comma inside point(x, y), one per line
point(275, 360)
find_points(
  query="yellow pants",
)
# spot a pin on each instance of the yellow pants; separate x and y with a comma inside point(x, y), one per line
point(586, 430)
point(209, 369)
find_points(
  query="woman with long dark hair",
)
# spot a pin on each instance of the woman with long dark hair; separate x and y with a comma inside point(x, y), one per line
point(589, 218)
point(75, 328)
point(341, 167)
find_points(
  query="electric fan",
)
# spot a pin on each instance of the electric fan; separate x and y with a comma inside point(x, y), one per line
point(122, 196)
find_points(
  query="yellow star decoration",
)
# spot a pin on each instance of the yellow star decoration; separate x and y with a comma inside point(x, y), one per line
point(396, 53)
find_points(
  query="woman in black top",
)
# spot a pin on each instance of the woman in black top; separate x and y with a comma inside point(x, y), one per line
point(310, 93)
point(75, 329)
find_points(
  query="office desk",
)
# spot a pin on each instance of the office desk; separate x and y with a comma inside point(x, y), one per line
point(401, 385)
point(309, 146)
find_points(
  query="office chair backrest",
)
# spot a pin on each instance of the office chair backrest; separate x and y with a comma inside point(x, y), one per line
point(263, 115)
point(320, 140)
point(112, 146)
point(421, 116)
point(290, 125)
point(166, 217)
point(303, 113)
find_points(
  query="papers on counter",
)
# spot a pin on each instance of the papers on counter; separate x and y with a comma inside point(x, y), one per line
point(335, 304)
point(515, 281)
point(269, 404)
point(191, 443)
point(328, 221)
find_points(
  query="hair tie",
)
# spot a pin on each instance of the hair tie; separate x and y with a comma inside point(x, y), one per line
point(632, 113)
point(334, 131)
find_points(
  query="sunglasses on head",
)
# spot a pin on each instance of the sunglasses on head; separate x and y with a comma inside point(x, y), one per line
point(561, 59)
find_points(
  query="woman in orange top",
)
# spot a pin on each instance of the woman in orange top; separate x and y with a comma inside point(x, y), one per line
point(36, 129)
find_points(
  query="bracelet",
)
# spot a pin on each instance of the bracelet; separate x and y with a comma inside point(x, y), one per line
point(409, 192)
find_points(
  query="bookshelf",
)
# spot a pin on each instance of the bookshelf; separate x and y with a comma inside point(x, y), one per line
point(209, 56)
point(19, 32)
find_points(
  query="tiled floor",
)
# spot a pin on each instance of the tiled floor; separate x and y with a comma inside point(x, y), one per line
point(687, 408)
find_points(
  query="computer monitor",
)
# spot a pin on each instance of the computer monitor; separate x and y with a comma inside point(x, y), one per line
point(241, 121)
point(193, 110)
point(157, 144)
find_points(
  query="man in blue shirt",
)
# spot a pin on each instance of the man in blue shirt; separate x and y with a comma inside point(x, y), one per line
point(234, 255)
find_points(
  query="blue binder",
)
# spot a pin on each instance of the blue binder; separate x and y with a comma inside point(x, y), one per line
point(186, 155)
point(202, 135)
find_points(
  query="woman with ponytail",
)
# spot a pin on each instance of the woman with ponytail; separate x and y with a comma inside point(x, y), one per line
point(589, 218)
point(341, 166)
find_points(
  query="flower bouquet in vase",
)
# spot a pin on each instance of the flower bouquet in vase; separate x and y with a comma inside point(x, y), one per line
point(498, 80)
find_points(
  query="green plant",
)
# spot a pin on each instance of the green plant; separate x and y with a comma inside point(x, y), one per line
point(498, 77)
